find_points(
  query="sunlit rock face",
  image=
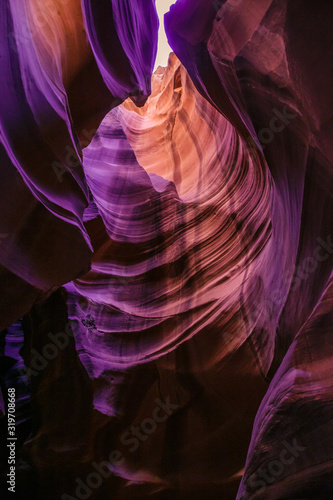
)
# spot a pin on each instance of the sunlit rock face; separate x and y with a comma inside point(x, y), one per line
point(255, 65)
point(188, 352)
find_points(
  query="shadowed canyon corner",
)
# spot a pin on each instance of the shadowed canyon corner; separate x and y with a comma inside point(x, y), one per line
point(166, 248)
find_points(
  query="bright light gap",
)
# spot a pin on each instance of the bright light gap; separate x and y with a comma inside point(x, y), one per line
point(163, 49)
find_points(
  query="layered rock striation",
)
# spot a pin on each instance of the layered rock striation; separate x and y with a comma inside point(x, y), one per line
point(167, 240)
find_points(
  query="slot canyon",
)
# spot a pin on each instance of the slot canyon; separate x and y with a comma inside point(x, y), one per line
point(166, 248)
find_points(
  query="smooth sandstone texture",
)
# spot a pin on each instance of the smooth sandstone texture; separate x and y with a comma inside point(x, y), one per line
point(55, 55)
point(191, 229)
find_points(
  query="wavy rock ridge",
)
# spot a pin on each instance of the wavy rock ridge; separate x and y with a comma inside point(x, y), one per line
point(198, 358)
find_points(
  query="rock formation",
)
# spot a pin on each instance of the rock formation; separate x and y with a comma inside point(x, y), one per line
point(166, 249)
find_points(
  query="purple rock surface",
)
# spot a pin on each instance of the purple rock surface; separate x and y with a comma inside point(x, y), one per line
point(166, 246)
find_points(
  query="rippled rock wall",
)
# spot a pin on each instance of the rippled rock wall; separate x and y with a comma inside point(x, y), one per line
point(171, 256)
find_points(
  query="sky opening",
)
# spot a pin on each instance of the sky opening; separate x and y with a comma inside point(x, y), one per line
point(164, 48)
